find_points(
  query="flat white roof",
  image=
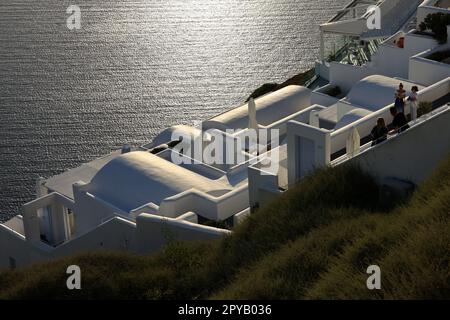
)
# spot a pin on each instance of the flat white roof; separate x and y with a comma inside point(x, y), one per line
point(63, 182)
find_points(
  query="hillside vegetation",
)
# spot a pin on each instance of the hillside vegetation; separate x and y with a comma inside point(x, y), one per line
point(314, 242)
point(299, 79)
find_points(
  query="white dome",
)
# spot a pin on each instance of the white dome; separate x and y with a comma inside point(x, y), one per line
point(376, 92)
point(137, 178)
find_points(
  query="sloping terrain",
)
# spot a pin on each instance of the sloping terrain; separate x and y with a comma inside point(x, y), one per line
point(314, 242)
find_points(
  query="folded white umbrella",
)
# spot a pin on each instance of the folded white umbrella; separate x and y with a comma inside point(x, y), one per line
point(353, 143)
point(252, 122)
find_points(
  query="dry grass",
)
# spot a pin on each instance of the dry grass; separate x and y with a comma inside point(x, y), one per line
point(314, 242)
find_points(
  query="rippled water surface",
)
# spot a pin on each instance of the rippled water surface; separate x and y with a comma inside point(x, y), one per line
point(134, 68)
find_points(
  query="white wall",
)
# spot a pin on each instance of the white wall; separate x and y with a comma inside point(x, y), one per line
point(304, 158)
point(345, 75)
point(241, 216)
point(393, 61)
point(91, 211)
point(301, 116)
point(13, 245)
point(320, 98)
point(425, 71)
point(413, 155)
point(258, 181)
point(213, 208)
point(115, 234)
point(153, 232)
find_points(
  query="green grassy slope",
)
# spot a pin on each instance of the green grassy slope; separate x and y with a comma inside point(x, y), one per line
point(315, 241)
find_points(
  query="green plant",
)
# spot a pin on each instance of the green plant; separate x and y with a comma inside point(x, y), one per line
point(333, 91)
point(331, 57)
point(424, 108)
point(264, 89)
point(218, 224)
point(300, 79)
point(439, 56)
point(437, 23)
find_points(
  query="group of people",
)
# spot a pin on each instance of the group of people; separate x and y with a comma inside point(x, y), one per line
point(400, 99)
point(399, 123)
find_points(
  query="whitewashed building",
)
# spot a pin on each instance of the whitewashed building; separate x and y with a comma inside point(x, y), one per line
point(139, 199)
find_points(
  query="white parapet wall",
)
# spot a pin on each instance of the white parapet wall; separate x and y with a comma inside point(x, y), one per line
point(268, 178)
point(99, 210)
point(413, 154)
point(426, 71)
point(114, 234)
point(345, 76)
point(206, 205)
point(301, 116)
point(320, 96)
point(365, 125)
point(392, 60)
point(154, 232)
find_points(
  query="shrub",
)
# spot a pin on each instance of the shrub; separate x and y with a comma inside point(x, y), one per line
point(264, 89)
point(333, 91)
point(300, 79)
point(424, 108)
point(439, 56)
point(437, 23)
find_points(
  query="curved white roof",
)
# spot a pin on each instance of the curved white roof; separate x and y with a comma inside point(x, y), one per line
point(179, 130)
point(269, 109)
point(351, 117)
point(376, 92)
point(137, 178)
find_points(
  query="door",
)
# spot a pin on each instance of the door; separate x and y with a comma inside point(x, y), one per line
point(45, 224)
point(306, 155)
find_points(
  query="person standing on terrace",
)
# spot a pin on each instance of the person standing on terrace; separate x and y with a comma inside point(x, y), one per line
point(400, 96)
point(413, 102)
